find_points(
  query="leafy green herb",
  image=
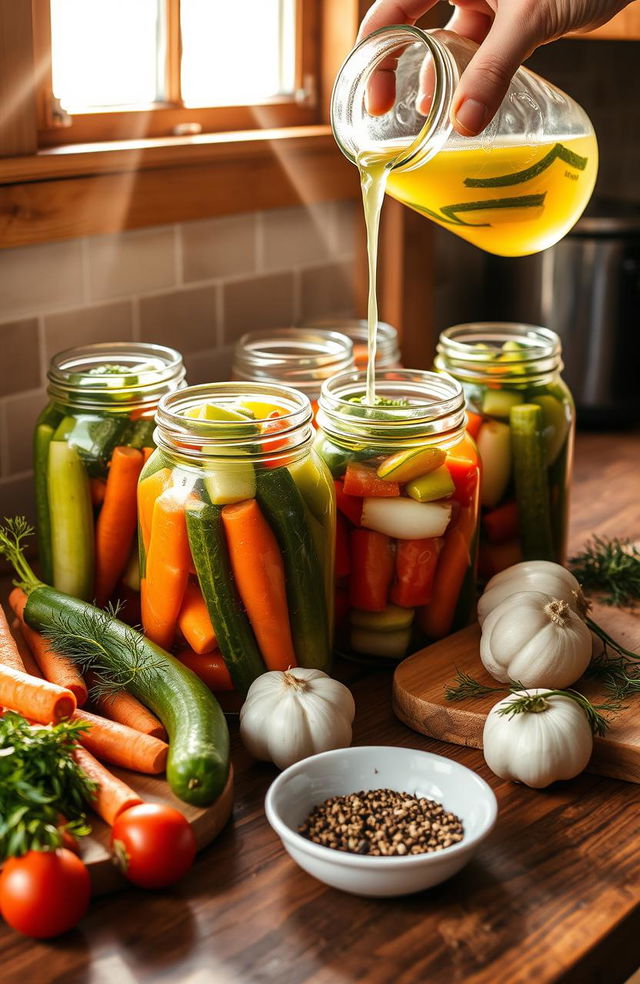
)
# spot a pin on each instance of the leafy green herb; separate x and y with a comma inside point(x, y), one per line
point(380, 401)
point(40, 782)
point(466, 686)
point(12, 536)
point(611, 566)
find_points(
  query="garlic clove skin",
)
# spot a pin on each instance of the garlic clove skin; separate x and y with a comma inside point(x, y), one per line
point(535, 640)
point(532, 575)
point(537, 749)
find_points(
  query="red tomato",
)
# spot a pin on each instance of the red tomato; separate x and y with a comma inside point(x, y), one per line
point(153, 845)
point(44, 893)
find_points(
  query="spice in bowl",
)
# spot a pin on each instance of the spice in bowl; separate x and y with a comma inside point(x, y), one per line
point(382, 822)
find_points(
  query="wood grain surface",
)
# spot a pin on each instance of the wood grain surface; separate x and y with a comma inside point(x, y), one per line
point(419, 700)
point(553, 895)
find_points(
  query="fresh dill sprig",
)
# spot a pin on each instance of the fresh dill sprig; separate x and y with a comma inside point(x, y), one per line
point(620, 677)
point(40, 781)
point(610, 566)
point(524, 702)
point(80, 638)
point(13, 532)
point(465, 686)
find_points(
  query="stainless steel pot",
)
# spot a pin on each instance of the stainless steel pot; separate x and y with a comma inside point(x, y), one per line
point(587, 289)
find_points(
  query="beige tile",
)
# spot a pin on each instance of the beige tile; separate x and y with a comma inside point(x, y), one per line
point(21, 413)
point(295, 236)
point(34, 278)
point(218, 247)
point(258, 303)
point(209, 367)
point(84, 326)
point(327, 290)
point(19, 356)
point(348, 219)
point(185, 319)
point(17, 497)
point(131, 262)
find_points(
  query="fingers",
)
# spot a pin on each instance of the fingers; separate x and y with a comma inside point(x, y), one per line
point(387, 12)
point(471, 24)
point(514, 34)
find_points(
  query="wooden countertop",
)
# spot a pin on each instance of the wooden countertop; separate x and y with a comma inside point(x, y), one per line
point(553, 895)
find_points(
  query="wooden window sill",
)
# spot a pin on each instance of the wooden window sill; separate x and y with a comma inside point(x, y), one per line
point(81, 190)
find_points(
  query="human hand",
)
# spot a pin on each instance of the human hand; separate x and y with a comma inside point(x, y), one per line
point(508, 31)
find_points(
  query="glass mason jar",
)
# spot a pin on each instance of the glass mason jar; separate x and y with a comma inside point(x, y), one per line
point(407, 482)
point(387, 345)
point(298, 357)
point(521, 415)
point(516, 188)
point(90, 444)
point(237, 520)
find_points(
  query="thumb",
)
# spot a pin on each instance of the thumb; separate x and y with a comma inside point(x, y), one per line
point(514, 34)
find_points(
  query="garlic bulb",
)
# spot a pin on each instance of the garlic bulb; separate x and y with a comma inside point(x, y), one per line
point(532, 575)
point(549, 741)
point(290, 715)
point(536, 640)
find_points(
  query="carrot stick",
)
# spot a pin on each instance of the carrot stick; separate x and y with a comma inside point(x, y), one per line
point(30, 665)
point(258, 570)
point(120, 745)
point(127, 709)
point(112, 796)
point(148, 491)
point(9, 652)
point(116, 524)
point(146, 453)
point(210, 667)
point(54, 666)
point(168, 564)
point(98, 488)
point(194, 621)
point(36, 699)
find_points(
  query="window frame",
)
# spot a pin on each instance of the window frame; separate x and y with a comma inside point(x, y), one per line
point(166, 118)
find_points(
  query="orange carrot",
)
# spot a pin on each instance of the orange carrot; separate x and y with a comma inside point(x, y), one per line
point(120, 745)
point(112, 796)
point(146, 453)
point(210, 667)
point(116, 524)
point(127, 709)
point(437, 618)
point(168, 563)
point(194, 621)
point(474, 423)
point(36, 699)
point(98, 488)
point(258, 570)
point(30, 665)
point(148, 491)
point(9, 652)
point(54, 666)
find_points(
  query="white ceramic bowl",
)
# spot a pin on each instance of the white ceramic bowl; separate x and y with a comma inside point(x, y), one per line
point(295, 792)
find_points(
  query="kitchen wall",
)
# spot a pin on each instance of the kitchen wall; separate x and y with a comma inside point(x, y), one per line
point(196, 286)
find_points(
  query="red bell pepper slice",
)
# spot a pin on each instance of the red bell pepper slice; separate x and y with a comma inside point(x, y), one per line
point(501, 524)
point(464, 468)
point(272, 425)
point(343, 560)
point(416, 563)
point(372, 568)
point(362, 480)
point(349, 505)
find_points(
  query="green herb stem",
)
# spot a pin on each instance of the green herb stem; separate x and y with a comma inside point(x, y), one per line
point(611, 566)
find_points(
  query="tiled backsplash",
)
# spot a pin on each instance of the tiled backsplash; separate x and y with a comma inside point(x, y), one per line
point(196, 286)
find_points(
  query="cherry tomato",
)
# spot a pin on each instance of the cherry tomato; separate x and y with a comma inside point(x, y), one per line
point(44, 893)
point(153, 845)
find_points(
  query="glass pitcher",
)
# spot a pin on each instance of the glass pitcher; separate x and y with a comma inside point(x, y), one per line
point(516, 188)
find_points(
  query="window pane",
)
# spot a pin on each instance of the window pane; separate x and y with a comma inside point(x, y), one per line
point(237, 53)
point(105, 52)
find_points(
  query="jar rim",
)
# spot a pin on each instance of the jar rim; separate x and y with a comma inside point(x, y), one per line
point(459, 351)
point(198, 440)
point(154, 370)
point(435, 407)
point(357, 330)
point(303, 355)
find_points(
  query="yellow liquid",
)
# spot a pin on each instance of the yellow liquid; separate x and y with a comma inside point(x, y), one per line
point(510, 200)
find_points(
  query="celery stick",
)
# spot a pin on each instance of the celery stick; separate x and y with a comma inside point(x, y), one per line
point(434, 485)
point(71, 522)
point(41, 441)
point(532, 490)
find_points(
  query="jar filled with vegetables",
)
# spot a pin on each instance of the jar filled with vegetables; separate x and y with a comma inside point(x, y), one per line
point(237, 520)
point(407, 481)
point(521, 415)
point(90, 444)
point(298, 357)
point(387, 344)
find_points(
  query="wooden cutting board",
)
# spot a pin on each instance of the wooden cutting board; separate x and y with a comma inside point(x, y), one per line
point(418, 700)
point(206, 824)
